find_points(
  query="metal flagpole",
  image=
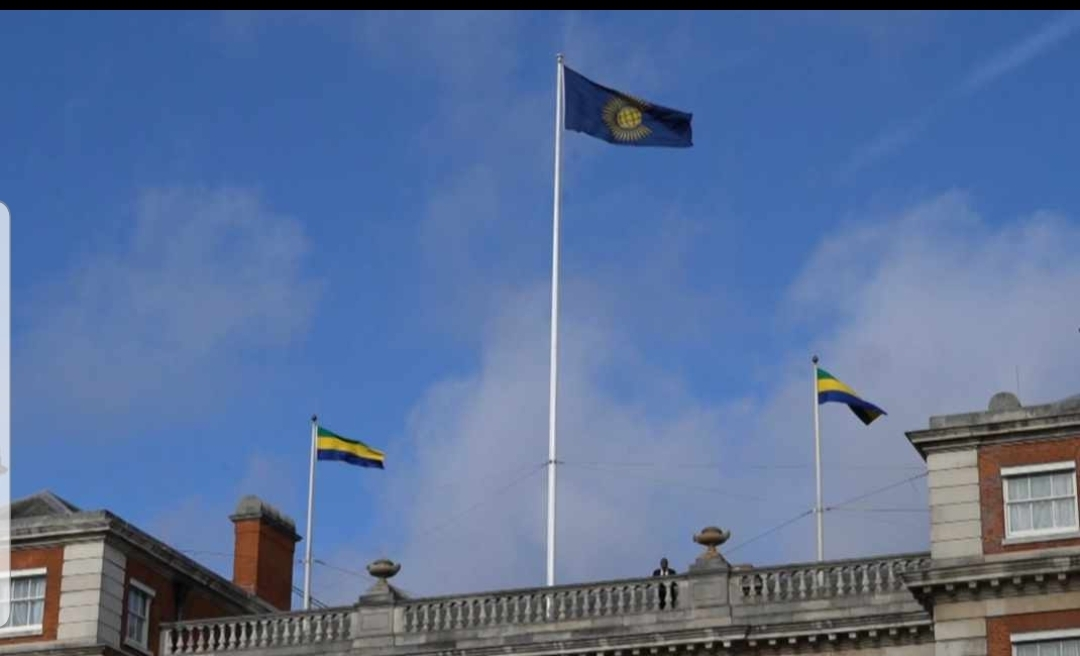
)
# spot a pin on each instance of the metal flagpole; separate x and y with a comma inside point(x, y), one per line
point(310, 499)
point(554, 322)
point(818, 508)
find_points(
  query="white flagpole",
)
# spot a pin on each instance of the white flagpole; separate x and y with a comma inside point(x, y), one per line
point(310, 499)
point(554, 322)
point(818, 508)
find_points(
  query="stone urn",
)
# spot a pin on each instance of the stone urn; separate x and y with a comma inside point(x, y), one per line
point(711, 537)
point(383, 569)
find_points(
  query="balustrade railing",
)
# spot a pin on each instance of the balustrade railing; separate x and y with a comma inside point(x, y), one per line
point(256, 632)
point(543, 605)
point(828, 579)
point(538, 606)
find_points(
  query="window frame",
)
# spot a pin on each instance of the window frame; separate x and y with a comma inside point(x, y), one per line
point(1041, 636)
point(1037, 534)
point(141, 643)
point(29, 629)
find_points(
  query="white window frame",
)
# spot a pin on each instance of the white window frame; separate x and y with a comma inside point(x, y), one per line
point(30, 629)
point(1042, 468)
point(1039, 636)
point(142, 643)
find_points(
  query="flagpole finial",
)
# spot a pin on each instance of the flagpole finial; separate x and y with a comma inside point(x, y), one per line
point(314, 418)
point(814, 359)
point(558, 57)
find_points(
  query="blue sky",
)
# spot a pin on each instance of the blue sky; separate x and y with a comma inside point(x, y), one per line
point(224, 222)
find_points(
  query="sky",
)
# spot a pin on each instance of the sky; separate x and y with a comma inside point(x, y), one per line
point(225, 222)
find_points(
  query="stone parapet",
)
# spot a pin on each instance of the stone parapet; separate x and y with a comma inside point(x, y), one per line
point(848, 600)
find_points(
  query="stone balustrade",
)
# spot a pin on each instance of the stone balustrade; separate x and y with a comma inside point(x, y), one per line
point(542, 605)
point(711, 592)
point(828, 579)
point(256, 632)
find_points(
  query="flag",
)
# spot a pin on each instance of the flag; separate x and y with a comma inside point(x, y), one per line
point(620, 118)
point(331, 446)
point(831, 389)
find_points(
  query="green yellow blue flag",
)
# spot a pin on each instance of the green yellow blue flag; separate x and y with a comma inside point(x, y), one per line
point(619, 118)
point(829, 389)
point(331, 446)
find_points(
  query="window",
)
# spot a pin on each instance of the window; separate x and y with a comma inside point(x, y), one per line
point(27, 602)
point(1047, 643)
point(138, 614)
point(1048, 648)
point(1040, 499)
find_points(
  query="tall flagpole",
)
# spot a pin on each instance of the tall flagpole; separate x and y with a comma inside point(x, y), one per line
point(818, 508)
point(310, 499)
point(554, 322)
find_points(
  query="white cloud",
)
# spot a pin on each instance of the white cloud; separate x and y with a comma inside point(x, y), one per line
point(468, 513)
point(205, 279)
point(461, 50)
point(989, 71)
point(1019, 54)
point(928, 312)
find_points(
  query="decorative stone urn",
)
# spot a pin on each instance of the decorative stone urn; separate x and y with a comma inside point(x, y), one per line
point(711, 537)
point(383, 569)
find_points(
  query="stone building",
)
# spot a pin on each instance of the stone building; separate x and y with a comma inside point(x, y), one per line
point(90, 583)
point(1002, 577)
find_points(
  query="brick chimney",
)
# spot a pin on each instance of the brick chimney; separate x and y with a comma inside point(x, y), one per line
point(264, 551)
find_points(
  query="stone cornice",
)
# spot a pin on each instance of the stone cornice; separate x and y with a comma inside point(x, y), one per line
point(995, 578)
point(177, 561)
point(826, 636)
point(59, 530)
point(860, 634)
point(59, 648)
point(998, 429)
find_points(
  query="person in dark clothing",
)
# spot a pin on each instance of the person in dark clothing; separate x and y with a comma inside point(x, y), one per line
point(664, 570)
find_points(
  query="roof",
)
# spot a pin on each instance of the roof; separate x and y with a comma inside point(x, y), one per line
point(1004, 419)
point(42, 504)
point(1005, 406)
point(46, 517)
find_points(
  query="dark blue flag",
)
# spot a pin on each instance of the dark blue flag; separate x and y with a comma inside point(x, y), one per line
point(622, 119)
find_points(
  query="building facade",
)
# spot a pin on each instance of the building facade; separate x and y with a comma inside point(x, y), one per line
point(88, 582)
point(1002, 577)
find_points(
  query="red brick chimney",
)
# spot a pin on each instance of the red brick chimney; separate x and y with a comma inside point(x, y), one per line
point(264, 551)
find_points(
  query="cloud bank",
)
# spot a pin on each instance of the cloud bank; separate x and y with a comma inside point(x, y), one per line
point(989, 71)
point(925, 312)
point(171, 316)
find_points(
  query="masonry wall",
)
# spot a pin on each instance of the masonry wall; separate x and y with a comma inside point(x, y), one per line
point(264, 559)
point(999, 629)
point(196, 604)
point(992, 496)
point(984, 626)
point(52, 559)
point(955, 517)
point(92, 593)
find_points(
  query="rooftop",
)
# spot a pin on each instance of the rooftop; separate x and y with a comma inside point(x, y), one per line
point(1005, 406)
point(45, 517)
point(1005, 419)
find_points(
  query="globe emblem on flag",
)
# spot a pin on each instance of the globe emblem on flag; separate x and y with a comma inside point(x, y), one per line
point(625, 118)
point(628, 118)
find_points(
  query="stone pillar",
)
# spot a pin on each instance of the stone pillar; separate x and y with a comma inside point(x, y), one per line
point(373, 619)
point(708, 578)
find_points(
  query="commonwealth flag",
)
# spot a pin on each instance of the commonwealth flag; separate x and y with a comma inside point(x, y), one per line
point(829, 389)
point(619, 118)
point(331, 446)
